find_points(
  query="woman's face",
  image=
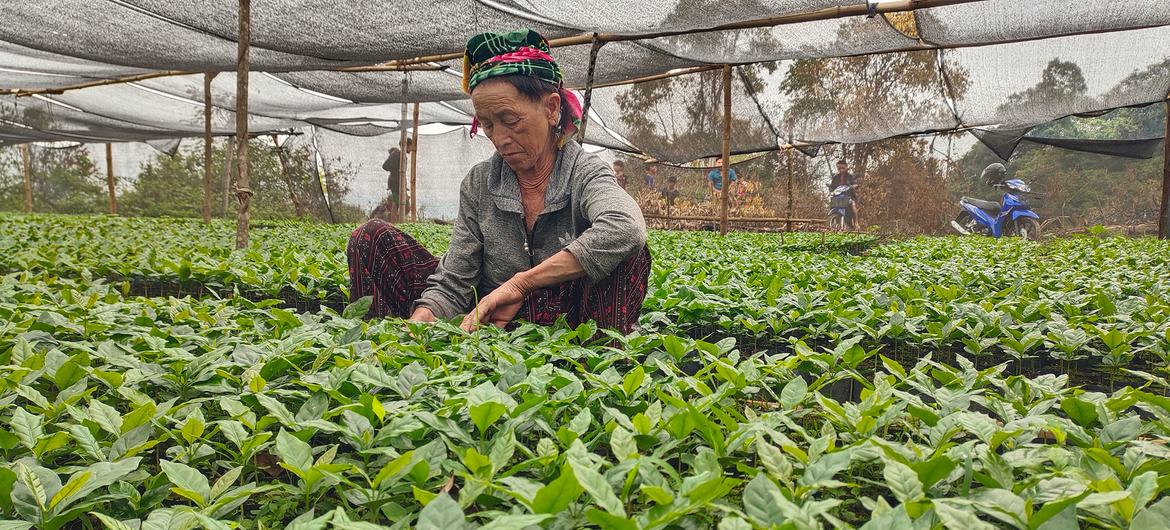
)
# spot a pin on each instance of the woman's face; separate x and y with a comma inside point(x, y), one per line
point(520, 129)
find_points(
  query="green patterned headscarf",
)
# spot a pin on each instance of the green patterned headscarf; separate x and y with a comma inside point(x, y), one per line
point(520, 52)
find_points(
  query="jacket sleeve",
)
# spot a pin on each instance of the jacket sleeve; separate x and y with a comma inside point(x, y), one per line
point(449, 290)
point(616, 232)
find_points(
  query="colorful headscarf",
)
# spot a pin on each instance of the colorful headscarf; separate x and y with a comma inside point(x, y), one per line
point(520, 52)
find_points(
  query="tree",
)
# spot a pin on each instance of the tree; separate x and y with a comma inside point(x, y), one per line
point(859, 99)
point(64, 180)
point(172, 185)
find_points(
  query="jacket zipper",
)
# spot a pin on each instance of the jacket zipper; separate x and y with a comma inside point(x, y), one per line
point(531, 256)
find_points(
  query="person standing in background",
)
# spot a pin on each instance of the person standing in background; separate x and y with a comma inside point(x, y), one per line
point(619, 173)
point(393, 168)
point(715, 179)
point(651, 174)
point(670, 191)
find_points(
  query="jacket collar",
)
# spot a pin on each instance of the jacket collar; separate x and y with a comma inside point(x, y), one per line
point(504, 188)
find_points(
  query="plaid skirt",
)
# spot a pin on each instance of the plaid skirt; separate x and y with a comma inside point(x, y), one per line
point(388, 264)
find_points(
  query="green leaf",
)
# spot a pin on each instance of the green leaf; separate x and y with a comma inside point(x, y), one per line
point(293, 452)
point(592, 481)
point(609, 521)
point(902, 481)
point(394, 470)
point(75, 483)
point(793, 392)
point(622, 444)
point(1156, 517)
point(775, 463)
point(515, 522)
point(759, 502)
point(892, 519)
point(1052, 509)
point(188, 481)
point(1080, 411)
point(734, 523)
point(278, 410)
point(7, 480)
point(138, 417)
point(358, 308)
point(658, 494)
point(110, 522)
point(442, 513)
point(934, 470)
point(29, 428)
point(633, 380)
point(106, 417)
point(558, 494)
point(8, 524)
point(955, 518)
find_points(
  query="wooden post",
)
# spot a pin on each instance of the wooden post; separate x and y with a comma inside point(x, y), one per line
point(726, 148)
point(110, 178)
point(229, 153)
point(243, 190)
point(414, 169)
point(207, 77)
point(284, 172)
point(1164, 208)
point(26, 157)
point(400, 208)
point(788, 226)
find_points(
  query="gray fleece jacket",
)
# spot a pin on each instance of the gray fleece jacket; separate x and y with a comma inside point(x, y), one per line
point(585, 212)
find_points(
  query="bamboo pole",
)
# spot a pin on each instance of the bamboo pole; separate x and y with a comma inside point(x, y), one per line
point(229, 153)
point(110, 178)
point(733, 219)
point(26, 156)
point(1164, 208)
point(400, 207)
point(414, 169)
point(207, 147)
point(725, 196)
point(790, 170)
point(287, 176)
point(243, 190)
point(851, 10)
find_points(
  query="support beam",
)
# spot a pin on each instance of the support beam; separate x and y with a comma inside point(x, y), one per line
point(110, 178)
point(287, 176)
point(725, 196)
point(414, 168)
point(207, 147)
point(712, 218)
point(790, 170)
point(400, 207)
point(1164, 208)
point(851, 10)
point(243, 189)
point(26, 157)
point(229, 158)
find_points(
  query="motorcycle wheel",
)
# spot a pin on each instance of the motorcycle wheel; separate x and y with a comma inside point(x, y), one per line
point(964, 220)
point(836, 222)
point(1028, 228)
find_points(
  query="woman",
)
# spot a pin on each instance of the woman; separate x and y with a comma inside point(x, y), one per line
point(543, 228)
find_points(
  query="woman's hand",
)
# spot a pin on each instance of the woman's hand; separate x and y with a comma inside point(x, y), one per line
point(498, 308)
point(422, 314)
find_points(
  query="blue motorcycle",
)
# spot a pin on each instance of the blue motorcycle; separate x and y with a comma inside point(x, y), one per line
point(1011, 216)
point(840, 199)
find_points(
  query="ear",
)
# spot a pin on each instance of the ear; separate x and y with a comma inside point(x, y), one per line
point(552, 108)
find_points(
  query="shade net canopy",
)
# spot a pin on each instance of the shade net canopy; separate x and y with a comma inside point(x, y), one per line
point(992, 64)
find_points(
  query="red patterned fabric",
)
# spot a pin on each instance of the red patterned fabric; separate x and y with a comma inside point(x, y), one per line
point(388, 264)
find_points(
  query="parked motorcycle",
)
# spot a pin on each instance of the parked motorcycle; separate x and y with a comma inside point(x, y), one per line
point(840, 198)
point(1011, 216)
